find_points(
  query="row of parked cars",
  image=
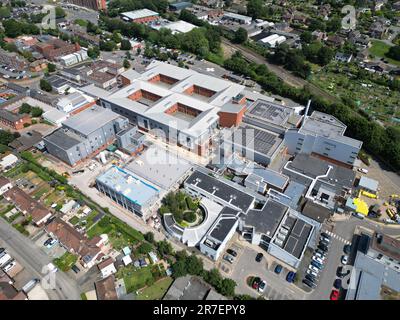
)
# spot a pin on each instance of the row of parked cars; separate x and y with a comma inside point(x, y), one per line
point(6, 261)
point(317, 261)
point(230, 255)
point(337, 284)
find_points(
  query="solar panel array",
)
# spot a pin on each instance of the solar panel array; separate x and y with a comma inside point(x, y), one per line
point(271, 112)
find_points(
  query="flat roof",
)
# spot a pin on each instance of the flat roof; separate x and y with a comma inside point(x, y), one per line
point(257, 139)
point(328, 126)
point(338, 178)
point(221, 190)
point(270, 111)
point(267, 219)
point(91, 119)
point(316, 212)
point(138, 14)
point(297, 237)
point(127, 184)
point(63, 139)
point(368, 183)
point(159, 166)
point(225, 222)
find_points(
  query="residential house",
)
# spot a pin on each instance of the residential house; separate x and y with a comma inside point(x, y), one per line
point(378, 30)
point(28, 206)
point(343, 57)
point(105, 289)
point(5, 185)
point(335, 41)
point(107, 267)
point(14, 120)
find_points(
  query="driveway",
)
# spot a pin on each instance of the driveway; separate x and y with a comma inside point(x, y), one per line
point(277, 287)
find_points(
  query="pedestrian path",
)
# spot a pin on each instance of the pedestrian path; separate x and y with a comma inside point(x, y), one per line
point(335, 236)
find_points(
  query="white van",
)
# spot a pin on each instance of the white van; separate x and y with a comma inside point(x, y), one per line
point(4, 259)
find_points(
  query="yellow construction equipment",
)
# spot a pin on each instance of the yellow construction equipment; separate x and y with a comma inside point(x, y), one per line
point(369, 195)
point(390, 213)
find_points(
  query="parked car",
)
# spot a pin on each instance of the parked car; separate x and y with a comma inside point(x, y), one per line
point(313, 268)
point(290, 276)
point(341, 273)
point(2, 250)
point(345, 259)
point(322, 253)
point(278, 269)
point(311, 278)
point(261, 286)
point(256, 283)
point(232, 252)
point(362, 170)
point(309, 283)
point(312, 272)
point(47, 241)
point(347, 249)
point(323, 247)
point(325, 235)
point(259, 257)
point(325, 239)
point(75, 268)
point(324, 243)
point(317, 265)
point(9, 266)
point(319, 260)
point(320, 256)
point(337, 284)
point(334, 295)
point(228, 257)
point(51, 243)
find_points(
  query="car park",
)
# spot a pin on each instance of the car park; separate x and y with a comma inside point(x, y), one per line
point(51, 243)
point(324, 243)
point(278, 269)
point(320, 256)
point(323, 247)
point(325, 235)
point(345, 259)
point(321, 253)
point(261, 286)
point(232, 252)
point(334, 295)
point(259, 257)
point(341, 273)
point(290, 276)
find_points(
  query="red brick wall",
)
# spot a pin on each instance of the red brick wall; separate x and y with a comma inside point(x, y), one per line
point(84, 107)
point(227, 119)
point(145, 20)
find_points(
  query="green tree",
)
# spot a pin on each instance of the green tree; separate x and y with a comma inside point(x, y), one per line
point(394, 53)
point(227, 287)
point(107, 45)
point(149, 236)
point(36, 112)
point(194, 265)
point(164, 248)
point(179, 269)
point(255, 8)
point(25, 108)
point(145, 248)
point(60, 13)
point(51, 67)
point(126, 45)
point(45, 85)
point(93, 52)
point(240, 35)
point(126, 64)
point(306, 37)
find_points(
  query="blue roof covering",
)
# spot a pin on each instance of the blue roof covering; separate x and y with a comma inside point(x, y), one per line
point(128, 185)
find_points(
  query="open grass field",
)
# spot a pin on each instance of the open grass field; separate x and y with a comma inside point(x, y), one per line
point(135, 279)
point(379, 49)
point(156, 291)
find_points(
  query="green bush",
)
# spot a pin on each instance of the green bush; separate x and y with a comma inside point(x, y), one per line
point(190, 216)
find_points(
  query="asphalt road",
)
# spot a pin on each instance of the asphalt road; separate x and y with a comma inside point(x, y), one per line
point(33, 259)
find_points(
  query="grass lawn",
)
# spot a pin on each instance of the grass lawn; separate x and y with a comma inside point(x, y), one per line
point(119, 233)
point(41, 191)
point(74, 220)
point(155, 291)
point(135, 279)
point(379, 49)
point(66, 261)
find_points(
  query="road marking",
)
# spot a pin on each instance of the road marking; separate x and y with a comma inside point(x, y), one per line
point(337, 237)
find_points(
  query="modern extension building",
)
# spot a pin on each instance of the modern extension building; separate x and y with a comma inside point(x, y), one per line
point(128, 190)
point(323, 134)
point(85, 134)
point(177, 104)
point(140, 16)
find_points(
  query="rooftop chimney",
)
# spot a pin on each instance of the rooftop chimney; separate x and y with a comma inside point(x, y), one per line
point(306, 112)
